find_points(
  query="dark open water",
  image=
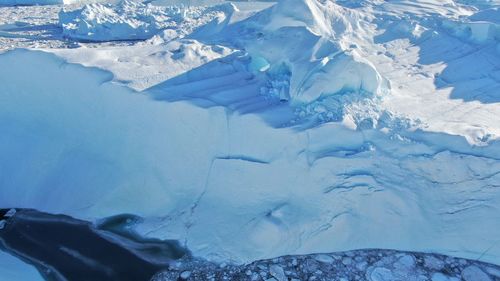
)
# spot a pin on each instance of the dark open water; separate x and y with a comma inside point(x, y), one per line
point(64, 248)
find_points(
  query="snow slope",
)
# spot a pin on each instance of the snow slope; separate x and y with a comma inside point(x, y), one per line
point(310, 126)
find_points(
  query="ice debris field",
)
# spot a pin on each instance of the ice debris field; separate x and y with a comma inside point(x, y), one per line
point(253, 130)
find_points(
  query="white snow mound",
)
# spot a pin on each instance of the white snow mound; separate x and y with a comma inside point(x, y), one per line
point(309, 55)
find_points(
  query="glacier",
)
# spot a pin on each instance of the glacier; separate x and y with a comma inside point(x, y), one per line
point(252, 130)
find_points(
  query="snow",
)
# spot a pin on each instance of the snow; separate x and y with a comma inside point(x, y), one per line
point(353, 177)
point(490, 15)
point(31, 2)
point(251, 133)
point(144, 65)
point(277, 272)
point(132, 20)
point(312, 66)
point(65, 151)
point(13, 269)
point(45, 2)
point(10, 213)
point(480, 27)
point(474, 273)
point(185, 275)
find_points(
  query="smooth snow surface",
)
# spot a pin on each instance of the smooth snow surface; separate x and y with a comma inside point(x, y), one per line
point(13, 269)
point(247, 133)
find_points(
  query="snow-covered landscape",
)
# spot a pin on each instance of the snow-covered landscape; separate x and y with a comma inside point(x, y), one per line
point(250, 131)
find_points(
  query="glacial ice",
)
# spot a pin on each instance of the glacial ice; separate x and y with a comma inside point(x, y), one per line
point(309, 126)
point(238, 186)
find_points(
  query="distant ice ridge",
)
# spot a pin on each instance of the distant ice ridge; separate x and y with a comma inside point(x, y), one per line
point(45, 2)
point(30, 2)
point(133, 20)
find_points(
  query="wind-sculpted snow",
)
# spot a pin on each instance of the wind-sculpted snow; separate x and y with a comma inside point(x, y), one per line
point(133, 20)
